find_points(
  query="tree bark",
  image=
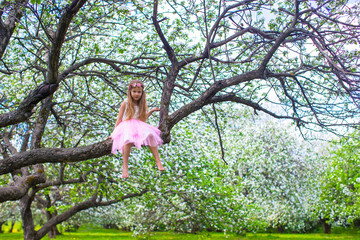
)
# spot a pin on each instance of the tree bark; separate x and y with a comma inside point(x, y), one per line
point(24, 111)
point(46, 204)
point(12, 225)
point(1, 224)
point(326, 226)
point(169, 81)
point(20, 187)
point(53, 232)
point(54, 155)
point(27, 218)
point(7, 27)
point(91, 203)
point(208, 96)
point(64, 23)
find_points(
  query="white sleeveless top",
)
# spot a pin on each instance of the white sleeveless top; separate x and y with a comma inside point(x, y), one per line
point(136, 108)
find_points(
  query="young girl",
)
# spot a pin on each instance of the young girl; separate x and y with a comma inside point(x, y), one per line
point(131, 128)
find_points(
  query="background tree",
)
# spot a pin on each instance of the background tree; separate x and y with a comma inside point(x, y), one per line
point(279, 172)
point(78, 56)
point(9, 215)
point(338, 203)
point(271, 180)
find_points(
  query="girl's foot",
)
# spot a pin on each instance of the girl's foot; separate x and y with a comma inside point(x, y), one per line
point(160, 167)
point(125, 174)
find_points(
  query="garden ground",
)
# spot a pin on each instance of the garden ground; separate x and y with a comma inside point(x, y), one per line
point(91, 233)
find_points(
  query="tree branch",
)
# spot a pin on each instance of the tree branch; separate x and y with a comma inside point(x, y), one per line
point(223, 14)
point(7, 28)
point(88, 61)
point(91, 203)
point(207, 96)
point(54, 55)
point(255, 106)
point(274, 48)
point(24, 111)
point(194, 78)
point(170, 52)
point(219, 135)
point(48, 155)
point(20, 187)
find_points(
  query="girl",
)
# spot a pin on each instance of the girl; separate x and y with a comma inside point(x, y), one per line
point(131, 129)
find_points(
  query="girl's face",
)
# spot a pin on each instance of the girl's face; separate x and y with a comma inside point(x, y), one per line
point(136, 93)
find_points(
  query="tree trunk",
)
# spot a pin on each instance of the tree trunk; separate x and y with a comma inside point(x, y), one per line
point(53, 232)
point(12, 226)
point(27, 218)
point(326, 226)
point(280, 229)
point(356, 223)
point(1, 223)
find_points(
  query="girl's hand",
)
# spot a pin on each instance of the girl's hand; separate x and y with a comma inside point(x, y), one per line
point(155, 109)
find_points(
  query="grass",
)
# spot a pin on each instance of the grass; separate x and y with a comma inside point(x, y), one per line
point(87, 233)
point(110, 235)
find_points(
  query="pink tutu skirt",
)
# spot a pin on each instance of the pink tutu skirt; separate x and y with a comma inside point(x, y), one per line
point(136, 132)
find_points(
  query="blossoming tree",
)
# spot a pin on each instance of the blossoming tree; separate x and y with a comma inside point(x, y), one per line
point(65, 65)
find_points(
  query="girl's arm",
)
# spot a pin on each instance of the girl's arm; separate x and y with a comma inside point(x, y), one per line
point(121, 113)
point(155, 109)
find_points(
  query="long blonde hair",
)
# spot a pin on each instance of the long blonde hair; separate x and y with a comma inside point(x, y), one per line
point(130, 109)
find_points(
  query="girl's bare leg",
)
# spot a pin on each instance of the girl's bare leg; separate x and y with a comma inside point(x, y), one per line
point(155, 152)
point(126, 154)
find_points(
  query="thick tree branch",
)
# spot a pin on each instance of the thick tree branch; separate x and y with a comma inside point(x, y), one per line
point(110, 62)
point(24, 111)
point(20, 187)
point(7, 28)
point(48, 155)
point(40, 124)
point(91, 203)
point(54, 55)
point(207, 96)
